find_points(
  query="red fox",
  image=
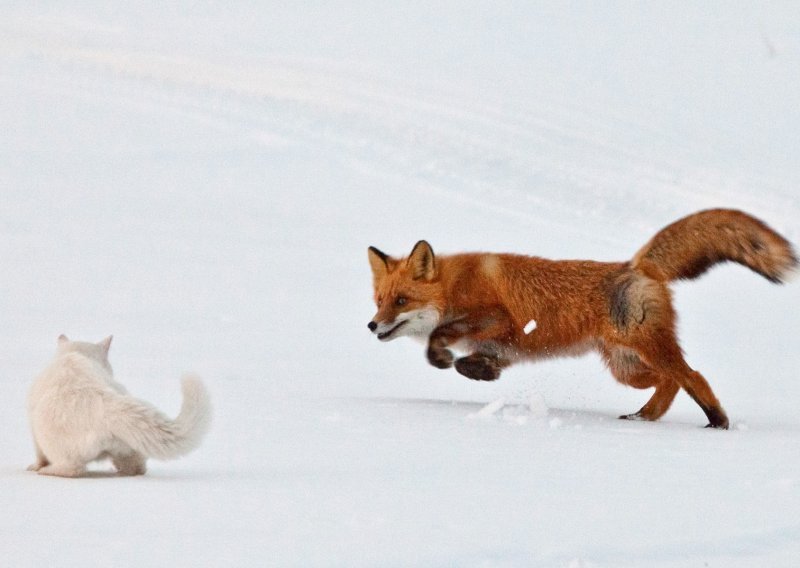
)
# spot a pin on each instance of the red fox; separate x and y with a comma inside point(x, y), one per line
point(504, 308)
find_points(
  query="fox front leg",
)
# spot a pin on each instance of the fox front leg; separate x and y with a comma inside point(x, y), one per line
point(480, 366)
point(438, 354)
point(486, 326)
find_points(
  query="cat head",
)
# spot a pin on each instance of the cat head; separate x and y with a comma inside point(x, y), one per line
point(96, 351)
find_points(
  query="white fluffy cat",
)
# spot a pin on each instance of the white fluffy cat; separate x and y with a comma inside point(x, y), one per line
point(79, 414)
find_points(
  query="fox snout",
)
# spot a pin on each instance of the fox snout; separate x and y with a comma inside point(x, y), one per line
point(417, 323)
point(388, 331)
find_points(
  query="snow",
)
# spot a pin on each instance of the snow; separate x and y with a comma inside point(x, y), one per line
point(529, 327)
point(537, 405)
point(203, 182)
point(490, 409)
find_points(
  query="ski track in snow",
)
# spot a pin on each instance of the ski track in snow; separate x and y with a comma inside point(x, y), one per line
point(503, 160)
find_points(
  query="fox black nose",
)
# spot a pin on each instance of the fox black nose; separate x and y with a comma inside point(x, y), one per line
point(372, 326)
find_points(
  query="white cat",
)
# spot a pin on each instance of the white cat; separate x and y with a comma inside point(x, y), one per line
point(79, 414)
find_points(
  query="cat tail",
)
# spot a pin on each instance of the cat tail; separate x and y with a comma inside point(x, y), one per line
point(151, 433)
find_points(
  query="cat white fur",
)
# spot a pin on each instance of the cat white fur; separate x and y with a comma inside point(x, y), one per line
point(79, 414)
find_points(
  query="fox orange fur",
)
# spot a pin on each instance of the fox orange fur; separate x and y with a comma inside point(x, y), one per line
point(486, 304)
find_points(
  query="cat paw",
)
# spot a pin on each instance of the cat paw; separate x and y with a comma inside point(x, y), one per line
point(62, 470)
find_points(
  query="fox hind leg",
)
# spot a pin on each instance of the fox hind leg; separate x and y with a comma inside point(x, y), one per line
point(664, 355)
point(659, 402)
point(629, 369)
point(702, 394)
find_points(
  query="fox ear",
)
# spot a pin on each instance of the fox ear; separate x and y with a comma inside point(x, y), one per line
point(378, 262)
point(62, 339)
point(106, 344)
point(422, 262)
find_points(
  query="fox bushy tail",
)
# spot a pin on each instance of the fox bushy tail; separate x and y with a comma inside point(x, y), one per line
point(690, 246)
point(148, 431)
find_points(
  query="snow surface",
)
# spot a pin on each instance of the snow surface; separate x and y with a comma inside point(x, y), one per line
point(202, 180)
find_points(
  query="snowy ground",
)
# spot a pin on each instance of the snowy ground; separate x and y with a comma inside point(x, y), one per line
point(203, 183)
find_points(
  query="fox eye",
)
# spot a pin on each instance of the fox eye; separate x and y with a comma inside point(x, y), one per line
point(400, 301)
point(379, 301)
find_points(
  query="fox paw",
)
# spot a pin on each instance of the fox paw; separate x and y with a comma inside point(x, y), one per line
point(440, 358)
point(716, 418)
point(635, 416)
point(478, 368)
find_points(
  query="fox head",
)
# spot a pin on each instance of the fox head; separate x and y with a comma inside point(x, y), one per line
point(408, 293)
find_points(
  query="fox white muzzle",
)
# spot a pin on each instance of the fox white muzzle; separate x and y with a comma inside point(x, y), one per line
point(414, 323)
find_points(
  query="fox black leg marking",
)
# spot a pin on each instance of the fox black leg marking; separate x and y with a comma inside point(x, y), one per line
point(487, 325)
point(439, 356)
point(479, 367)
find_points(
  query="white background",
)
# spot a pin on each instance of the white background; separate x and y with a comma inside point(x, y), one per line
point(203, 180)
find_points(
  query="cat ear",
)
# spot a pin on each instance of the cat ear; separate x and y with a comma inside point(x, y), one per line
point(106, 344)
point(62, 339)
